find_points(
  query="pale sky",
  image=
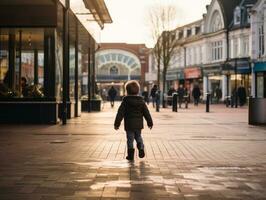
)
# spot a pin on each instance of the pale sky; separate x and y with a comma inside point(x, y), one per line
point(130, 18)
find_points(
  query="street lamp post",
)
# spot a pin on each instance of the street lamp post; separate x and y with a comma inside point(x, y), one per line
point(65, 60)
point(235, 93)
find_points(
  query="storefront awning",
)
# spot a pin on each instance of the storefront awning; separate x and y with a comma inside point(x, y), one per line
point(240, 65)
point(192, 72)
point(260, 67)
point(212, 71)
point(99, 11)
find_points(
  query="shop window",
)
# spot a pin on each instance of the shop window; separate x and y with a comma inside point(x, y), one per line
point(261, 85)
point(41, 68)
point(3, 58)
point(22, 72)
point(80, 73)
point(27, 66)
point(72, 72)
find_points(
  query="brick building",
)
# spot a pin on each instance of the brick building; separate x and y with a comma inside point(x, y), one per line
point(116, 63)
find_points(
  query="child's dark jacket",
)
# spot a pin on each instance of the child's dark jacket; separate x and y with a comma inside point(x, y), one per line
point(132, 110)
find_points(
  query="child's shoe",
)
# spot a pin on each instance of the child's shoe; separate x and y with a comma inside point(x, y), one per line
point(130, 154)
point(141, 152)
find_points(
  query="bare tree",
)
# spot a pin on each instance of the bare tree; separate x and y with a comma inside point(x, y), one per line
point(162, 19)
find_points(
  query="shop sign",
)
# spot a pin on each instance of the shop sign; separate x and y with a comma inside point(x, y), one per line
point(212, 71)
point(191, 73)
point(241, 67)
point(175, 75)
point(260, 67)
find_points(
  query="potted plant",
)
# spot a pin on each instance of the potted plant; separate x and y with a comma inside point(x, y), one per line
point(96, 102)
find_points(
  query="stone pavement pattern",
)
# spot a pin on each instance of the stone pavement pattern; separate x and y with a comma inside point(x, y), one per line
point(190, 155)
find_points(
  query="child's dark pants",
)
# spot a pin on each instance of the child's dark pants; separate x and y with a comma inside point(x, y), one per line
point(131, 135)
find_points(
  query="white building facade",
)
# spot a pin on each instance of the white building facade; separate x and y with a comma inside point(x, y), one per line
point(216, 51)
point(258, 54)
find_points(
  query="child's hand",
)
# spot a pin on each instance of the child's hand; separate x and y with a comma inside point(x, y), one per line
point(150, 127)
point(116, 128)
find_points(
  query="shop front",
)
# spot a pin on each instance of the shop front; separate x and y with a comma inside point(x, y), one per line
point(260, 83)
point(174, 78)
point(238, 72)
point(193, 77)
point(213, 83)
point(33, 60)
point(257, 104)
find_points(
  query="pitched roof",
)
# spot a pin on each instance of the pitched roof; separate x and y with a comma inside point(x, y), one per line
point(228, 7)
point(244, 14)
point(246, 2)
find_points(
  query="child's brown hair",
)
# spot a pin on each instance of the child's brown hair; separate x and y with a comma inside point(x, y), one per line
point(132, 88)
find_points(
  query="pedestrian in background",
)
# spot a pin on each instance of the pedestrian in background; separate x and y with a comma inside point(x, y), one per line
point(132, 110)
point(24, 87)
point(196, 95)
point(153, 94)
point(145, 95)
point(218, 94)
point(171, 91)
point(112, 94)
point(242, 95)
point(181, 93)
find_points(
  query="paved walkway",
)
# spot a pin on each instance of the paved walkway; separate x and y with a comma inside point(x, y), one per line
point(191, 155)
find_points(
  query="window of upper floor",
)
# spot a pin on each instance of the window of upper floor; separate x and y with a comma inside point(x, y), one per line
point(217, 51)
point(261, 41)
point(246, 47)
point(237, 16)
point(216, 23)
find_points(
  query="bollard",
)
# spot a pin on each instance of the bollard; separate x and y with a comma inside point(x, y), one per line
point(186, 102)
point(227, 101)
point(174, 102)
point(157, 100)
point(232, 101)
point(236, 101)
point(208, 102)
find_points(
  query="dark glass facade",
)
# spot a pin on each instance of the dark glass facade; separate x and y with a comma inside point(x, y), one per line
point(32, 63)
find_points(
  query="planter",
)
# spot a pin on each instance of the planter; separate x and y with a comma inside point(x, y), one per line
point(70, 110)
point(96, 105)
point(92, 105)
point(29, 110)
point(257, 111)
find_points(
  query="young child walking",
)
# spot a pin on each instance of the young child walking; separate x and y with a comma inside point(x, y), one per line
point(132, 110)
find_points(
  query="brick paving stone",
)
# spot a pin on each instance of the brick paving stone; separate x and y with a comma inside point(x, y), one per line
point(190, 155)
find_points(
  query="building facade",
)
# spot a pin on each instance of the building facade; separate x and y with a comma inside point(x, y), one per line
point(45, 51)
point(258, 28)
point(117, 63)
point(215, 52)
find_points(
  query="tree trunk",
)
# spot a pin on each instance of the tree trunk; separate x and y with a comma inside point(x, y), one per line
point(164, 84)
point(158, 77)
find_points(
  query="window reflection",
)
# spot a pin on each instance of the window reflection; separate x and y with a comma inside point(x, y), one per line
point(3, 57)
point(26, 61)
point(72, 72)
point(27, 66)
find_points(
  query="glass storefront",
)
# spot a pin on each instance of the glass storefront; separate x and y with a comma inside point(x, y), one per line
point(32, 63)
point(243, 80)
point(72, 72)
point(3, 57)
point(22, 61)
point(261, 85)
